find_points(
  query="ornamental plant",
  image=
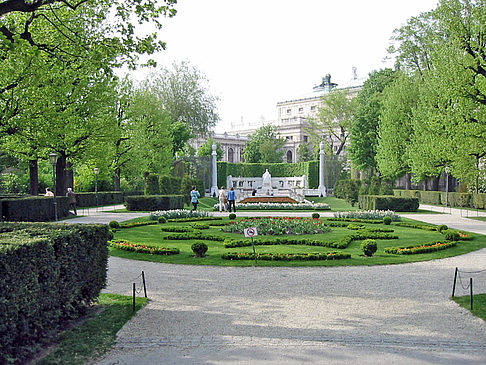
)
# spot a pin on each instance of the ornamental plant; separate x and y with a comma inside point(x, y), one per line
point(114, 225)
point(178, 213)
point(315, 215)
point(369, 247)
point(451, 235)
point(387, 220)
point(199, 248)
point(232, 216)
point(279, 226)
point(369, 214)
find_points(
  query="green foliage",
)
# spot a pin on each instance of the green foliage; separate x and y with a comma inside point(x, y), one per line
point(304, 152)
point(388, 202)
point(199, 248)
point(154, 202)
point(315, 215)
point(207, 149)
point(387, 221)
point(310, 256)
point(347, 189)
point(40, 281)
point(152, 185)
point(34, 209)
point(369, 247)
point(450, 235)
point(162, 220)
point(114, 224)
point(442, 227)
point(264, 146)
point(143, 248)
point(422, 248)
point(232, 216)
point(364, 130)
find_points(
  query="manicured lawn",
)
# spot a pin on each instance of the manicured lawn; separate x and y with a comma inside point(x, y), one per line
point(96, 335)
point(152, 235)
point(479, 304)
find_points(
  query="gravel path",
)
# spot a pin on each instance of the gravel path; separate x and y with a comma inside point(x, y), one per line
point(397, 314)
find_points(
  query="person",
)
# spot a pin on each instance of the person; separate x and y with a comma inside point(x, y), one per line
point(48, 192)
point(222, 199)
point(194, 197)
point(231, 199)
point(72, 200)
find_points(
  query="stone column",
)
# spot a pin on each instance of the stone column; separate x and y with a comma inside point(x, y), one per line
point(322, 187)
point(214, 180)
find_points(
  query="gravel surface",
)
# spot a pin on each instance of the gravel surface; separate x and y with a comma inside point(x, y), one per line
point(397, 314)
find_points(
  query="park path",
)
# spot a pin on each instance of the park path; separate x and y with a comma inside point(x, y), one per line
point(398, 314)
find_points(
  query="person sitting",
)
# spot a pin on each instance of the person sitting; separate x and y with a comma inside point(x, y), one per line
point(48, 192)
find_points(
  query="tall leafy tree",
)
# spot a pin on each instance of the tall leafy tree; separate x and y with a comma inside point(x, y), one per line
point(334, 120)
point(364, 131)
point(207, 149)
point(264, 145)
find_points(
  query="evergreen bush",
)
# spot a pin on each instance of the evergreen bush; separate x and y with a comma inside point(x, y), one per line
point(369, 247)
point(387, 220)
point(199, 248)
point(232, 216)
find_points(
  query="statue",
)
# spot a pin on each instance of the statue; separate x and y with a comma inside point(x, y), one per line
point(267, 179)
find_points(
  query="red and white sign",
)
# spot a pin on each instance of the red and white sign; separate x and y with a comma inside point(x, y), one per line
point(250, 232)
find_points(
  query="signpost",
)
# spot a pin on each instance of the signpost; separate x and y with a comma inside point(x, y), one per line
point(251, 232)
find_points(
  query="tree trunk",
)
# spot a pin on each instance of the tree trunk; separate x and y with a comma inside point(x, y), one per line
point(408, 181)
point(69, 175)
point(61, 187)
point(34, 177)
point(117, 179)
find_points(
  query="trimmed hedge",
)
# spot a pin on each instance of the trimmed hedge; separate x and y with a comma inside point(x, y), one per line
point(311, 256)
point(48, 273)
point(34, 208)
point(342, 243)
point(104, 198)
point(388, 202)
point(467, 200)
point(154, 202)
point(309, 168)
point(195, 235)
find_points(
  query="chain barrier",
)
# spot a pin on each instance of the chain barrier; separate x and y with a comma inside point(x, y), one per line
point(469, 284)
point(125, 282)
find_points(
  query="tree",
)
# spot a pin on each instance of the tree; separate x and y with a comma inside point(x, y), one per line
point(364, 131)
point(207, 149)
point(396, 126)
point(264, 145)
point(184, 95)
point(304, 152)
point(334, 120)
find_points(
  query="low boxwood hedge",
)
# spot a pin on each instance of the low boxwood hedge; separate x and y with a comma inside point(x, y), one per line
point(154, 202)
point(140, 248)
point(424, 248)
point(388, 202)
point(311, 256)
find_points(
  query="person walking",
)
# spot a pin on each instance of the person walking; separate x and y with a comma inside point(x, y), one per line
point(222, 199)
point(72, 200)
point(231, 199)
point(194, 197)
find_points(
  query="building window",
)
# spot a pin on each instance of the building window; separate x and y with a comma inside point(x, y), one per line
point(289, 111)
point(301, 110)
point(289, 156)
point(313, 107)
point(306, 139)
point(231, 155)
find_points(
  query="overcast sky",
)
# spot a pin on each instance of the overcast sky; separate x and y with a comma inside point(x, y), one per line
point(258, 52)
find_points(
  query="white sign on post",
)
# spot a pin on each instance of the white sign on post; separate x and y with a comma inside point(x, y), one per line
point(250, 232)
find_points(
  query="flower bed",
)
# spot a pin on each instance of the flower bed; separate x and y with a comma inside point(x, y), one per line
point(369, 214)
point(134, 247)
point(178, 213)
point(280, 206)
point(311, 256)
point(342, 243)
point(269, 199)
point(279, 226)
point(424, 248)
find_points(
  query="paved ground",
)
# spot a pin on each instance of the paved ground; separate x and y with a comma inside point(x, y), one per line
point(398, 314)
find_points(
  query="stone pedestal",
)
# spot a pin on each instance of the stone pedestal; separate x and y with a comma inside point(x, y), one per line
point(214, 169)
point(322, 187)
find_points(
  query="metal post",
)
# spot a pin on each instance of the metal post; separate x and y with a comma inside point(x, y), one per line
point(454, 285)
point(53, 161)
point(471, 292)
point(96, 172)
point(134, 304)
point(254, 251)
point(447, 186)
point(144, 286)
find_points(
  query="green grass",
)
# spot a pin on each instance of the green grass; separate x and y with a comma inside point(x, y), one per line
point(479, 304)
point(95, 336)
point(152, 235)
point(482, 219)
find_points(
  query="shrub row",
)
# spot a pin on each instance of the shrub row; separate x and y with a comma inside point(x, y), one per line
point(311, 256)
point(34, 208)
point(48, 273)
point(388, 202)
point(195, 219)
point(418, 226)
point(176, 229)
point(424, 248)
point(104, 198)
point(137, 224)
point(372, 221)
point(139, 248)
point(342, 243)
point(154, 202)
point(365, 234)
point(468, 200)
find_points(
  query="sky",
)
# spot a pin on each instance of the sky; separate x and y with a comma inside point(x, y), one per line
point(256, 53)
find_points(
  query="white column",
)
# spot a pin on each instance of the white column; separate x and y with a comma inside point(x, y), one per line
point(322, 188)
point(214, 181)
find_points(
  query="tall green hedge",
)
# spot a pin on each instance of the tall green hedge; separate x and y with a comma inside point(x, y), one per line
point(34, 208)
point(388, 202)
point(48, 273)
point(154, 202)
point(169, 185)
point(468, 200)
point(310, 169)
point(104, 198)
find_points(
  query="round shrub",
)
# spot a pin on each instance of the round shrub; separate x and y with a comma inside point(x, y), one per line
point(232, 216)
point(369, 247)
point(451, 235)
point(162, 220)
point(387, 220)
point(442, 227)
point(315, 215)
point(114, 225)
point(199, 226)
point(199, 248)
